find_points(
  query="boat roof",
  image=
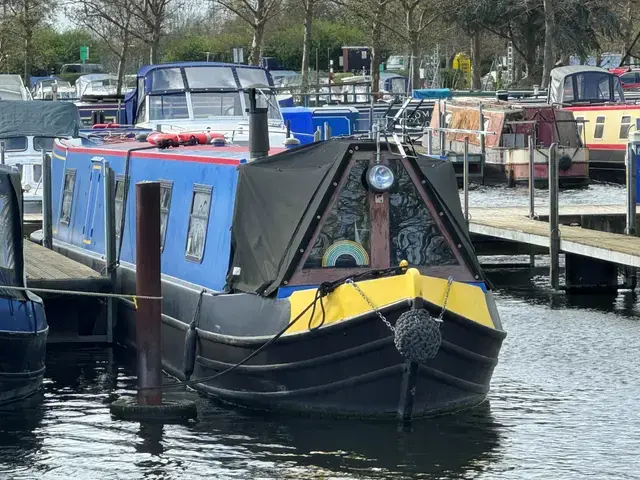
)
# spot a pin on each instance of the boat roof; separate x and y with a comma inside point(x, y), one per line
point(144, 70)
point(92, 77)
point(562, 72)
point(38, 117)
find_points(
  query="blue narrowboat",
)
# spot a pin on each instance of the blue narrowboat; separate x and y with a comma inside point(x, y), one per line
point(23, 324)
point(334, 278)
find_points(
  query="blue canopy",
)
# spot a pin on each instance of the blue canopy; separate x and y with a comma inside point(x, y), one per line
point(429, 93)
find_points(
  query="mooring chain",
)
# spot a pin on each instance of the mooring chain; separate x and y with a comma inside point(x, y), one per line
point(383, 318)
point(373, 307)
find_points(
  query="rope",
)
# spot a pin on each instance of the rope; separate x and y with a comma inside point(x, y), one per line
point(323, 290)
point(134, 298)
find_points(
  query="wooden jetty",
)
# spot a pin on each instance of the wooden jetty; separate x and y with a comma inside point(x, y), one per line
point(72, 318)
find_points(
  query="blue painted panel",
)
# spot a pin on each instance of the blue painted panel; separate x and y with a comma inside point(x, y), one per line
point(212, 271)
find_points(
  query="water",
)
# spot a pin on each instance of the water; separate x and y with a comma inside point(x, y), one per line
point(563, 404)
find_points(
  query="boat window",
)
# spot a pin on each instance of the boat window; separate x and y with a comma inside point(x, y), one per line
point(7, 259)
point(625, 125)
point(213, 104)
point(413, 233)
point(67, 196)
point(14, 144)
point(37, 173)
point(166, 188)
point(580, 125)
point(628, 77)
point(567, 94)
point(252, 77)
point(599, 128)
point(210, 77)
point(43, 143)
point(345, 238)
point(198, 222)
point(166, 79)
point(265, 99)
point(168, 107)
point(597, 86)
point(121, 186)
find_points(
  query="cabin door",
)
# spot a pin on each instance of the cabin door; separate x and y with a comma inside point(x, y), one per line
point(95, 177)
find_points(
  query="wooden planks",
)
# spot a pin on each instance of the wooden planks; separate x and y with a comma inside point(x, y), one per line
point(513, 224)
point(44, 264)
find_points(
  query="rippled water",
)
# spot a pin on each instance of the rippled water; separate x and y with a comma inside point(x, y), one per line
point(563, 405)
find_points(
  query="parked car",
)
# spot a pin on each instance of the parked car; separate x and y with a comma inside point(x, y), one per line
point(629, 77)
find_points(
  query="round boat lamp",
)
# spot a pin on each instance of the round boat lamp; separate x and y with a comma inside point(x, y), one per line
point(27, 187)
point(380, 178)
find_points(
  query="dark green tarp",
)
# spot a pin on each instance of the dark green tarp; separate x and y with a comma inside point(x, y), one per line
point(280, 198)
point(38, 117)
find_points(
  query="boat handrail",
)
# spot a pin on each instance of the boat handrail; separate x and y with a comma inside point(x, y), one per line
point(460, 130)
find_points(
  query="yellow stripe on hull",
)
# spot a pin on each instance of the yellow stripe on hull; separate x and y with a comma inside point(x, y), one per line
point(345, 302)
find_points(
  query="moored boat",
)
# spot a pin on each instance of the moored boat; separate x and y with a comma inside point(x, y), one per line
point(23, 324)
point(308, 271)
point(509, 127)
point(596, 98)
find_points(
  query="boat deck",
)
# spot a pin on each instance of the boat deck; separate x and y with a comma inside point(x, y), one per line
point(42, 264)
point(514, 224)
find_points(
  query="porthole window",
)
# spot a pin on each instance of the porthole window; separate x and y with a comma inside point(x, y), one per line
point(67, 196)
point(599, 129)
point(166, 188)
point(121, 187)
point(625, 125)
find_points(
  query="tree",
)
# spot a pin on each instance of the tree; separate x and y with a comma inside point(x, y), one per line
point(256, 13)
point(309, 7)
point(109, 20)
point(149, 22)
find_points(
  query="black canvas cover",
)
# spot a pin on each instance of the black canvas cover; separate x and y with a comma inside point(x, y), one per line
point(279, 198)
point(11, 253)
point(38, 117)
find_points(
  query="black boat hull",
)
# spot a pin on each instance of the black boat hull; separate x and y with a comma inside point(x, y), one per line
point(22, 364)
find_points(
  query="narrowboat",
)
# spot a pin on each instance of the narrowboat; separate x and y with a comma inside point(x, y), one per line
point(596, 98)
point(23, 324)
point(27, 130)
point(509, 127)
point(308, 271)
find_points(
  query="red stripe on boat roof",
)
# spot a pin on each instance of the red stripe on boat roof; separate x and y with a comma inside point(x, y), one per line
point(606, 146)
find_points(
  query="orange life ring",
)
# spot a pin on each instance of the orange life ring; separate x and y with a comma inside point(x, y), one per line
point(106, 125)
point(198, 138)
point(163, 140)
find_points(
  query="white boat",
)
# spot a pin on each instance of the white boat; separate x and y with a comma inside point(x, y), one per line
point(12, 88)
point(96, 85)
point(204, 96)
point(44, 88)
point(27, 130)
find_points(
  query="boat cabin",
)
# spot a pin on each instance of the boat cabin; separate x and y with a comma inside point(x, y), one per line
point(201, 95)
point(579, 84)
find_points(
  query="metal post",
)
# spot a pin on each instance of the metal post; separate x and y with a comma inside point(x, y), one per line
point(465, 179)
point(2, 150)
point(554, 224)
point(118, 114)
point(532, 177)
point(430, 142)
point(327, 131)
point(288, 128)
point(442, 125)
point(630, 272)
point(482, 139)
point(317, 135)
point(110, 243)
point(47, 216)
point(148, 314)
point(258, 128)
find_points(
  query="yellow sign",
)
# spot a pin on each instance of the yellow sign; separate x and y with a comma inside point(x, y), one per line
point(462, 62)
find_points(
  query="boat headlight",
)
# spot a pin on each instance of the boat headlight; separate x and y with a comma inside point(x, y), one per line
point(27, 187)
point(380, 178)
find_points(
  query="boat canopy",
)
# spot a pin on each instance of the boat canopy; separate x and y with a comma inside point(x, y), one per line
point(38, 117)
point(584, 84)
point(197, 90)
point(11, 254)
point(267, 241)
point(101, 81)
point(430, 93)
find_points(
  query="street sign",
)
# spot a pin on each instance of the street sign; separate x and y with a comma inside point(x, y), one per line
point(84, 54)
point(238, 55)
point(381, 67)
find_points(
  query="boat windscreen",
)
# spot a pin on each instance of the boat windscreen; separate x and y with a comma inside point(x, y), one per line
point(252, 77)
point(216, 104)
point(266, 99)
point(168, 107)
point(592, 86)
point(43, 143)
point(14, 144)
point(7, 256)
point(210, 77)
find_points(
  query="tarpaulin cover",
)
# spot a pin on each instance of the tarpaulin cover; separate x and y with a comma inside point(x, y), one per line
point(11, 254)
point(588, 85)
point(278, 198)
point(38, 117)
point(427, 93)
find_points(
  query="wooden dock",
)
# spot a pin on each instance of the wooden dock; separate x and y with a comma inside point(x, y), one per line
point(513, 224)
point(72, 318)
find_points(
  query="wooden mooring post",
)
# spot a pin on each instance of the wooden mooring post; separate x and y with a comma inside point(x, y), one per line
point(532, 187)
point(554, 224)
point(148, 283)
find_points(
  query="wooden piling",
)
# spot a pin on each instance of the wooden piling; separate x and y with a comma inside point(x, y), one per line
point(148, 283)
point(47, 215)
point(632, 198)
point(532, 176)
point(554, 224)
point(110, 244)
